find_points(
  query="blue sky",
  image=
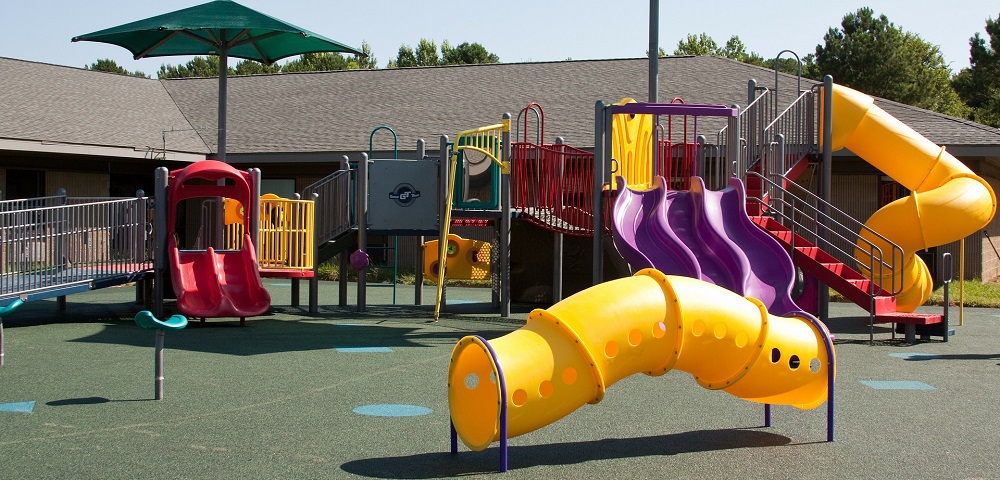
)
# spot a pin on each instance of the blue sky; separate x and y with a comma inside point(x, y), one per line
point(516, 30)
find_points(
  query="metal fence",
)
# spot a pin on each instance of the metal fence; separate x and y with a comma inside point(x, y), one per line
point(82, 241)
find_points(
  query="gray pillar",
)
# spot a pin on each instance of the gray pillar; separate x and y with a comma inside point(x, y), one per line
point(654, 49)
point(314, 281)
point(557, 243)
point(597, 274)
point(505, 211)
point(223, 93)
point(343, 164)
point(160, 227)
point(826, 175)
point(361, 202)
point(443, 167)
point(418, 271)
point(735, 158)
point(254, 209)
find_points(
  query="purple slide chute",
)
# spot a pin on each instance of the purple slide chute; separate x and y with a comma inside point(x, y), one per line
point(704, 234)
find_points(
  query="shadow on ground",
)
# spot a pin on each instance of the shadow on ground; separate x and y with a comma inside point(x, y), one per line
point(444, 464)
point(266, 336)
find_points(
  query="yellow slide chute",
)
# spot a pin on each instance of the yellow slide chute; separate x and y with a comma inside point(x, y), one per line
point(947, 201)
point(568, 355)
point(632, 147)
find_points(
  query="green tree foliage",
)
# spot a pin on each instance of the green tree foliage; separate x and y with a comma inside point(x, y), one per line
point(250, 67)
point(873, 55)
point(108, 65)
point(404, 58)
point(316, 62)
point(466, 54)
point(426, 55)
point(309, 62)
point(979, 85)
point(703, 44)
point(196, 67)
point(363, 62)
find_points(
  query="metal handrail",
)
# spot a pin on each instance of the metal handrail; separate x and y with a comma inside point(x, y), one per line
point(333, 205)
point(750, 116)
point(877, 266)
point(29, 203)
point(795, 131)
point(539, 123)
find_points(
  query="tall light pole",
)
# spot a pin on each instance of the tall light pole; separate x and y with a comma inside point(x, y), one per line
point(654, 48)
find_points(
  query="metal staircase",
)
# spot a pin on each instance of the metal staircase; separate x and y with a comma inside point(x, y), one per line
point(824, 241)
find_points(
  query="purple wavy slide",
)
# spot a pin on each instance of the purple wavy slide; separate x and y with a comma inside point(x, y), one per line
point(703, 234)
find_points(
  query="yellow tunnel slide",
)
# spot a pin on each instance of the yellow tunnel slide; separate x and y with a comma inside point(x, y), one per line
point(568, 355)
point(947, 201)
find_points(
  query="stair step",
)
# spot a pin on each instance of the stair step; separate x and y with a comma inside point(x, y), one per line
point(913, 318)
point(860, 283)
point(798, 169)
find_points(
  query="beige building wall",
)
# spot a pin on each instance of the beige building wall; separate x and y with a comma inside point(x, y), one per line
point(78, 184)
point(857, 196)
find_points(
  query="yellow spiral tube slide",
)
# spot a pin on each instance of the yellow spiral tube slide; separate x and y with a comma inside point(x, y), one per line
point(947, 202)
point(568, 355)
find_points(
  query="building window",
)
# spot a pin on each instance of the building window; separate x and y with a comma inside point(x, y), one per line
point(24, 184)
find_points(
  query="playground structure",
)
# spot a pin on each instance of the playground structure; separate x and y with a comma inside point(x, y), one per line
point(530, 378)
point(947, 201)
point(649, 322)
point(568, 355)
point(466, 259)
point(784, 168)
point(652, 307)
point(493, 144)
point(707, 235)
point(209, 283)
point(406, 197)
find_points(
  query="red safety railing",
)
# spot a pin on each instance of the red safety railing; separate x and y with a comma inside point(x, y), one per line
point(675, 160)
point(553, 186)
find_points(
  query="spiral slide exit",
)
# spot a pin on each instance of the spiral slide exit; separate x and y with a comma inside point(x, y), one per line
point(947, 201)
point(568, 355)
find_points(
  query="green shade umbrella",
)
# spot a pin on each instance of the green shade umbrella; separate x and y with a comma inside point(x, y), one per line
point(220, 27)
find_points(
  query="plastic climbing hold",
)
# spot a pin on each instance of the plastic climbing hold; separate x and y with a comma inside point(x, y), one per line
point(360, 260)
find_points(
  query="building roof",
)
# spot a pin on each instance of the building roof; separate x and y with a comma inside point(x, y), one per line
point(337, 111)
point(48, 104)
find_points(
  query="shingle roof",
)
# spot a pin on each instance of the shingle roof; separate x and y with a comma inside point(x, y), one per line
point(336, 111)
point(50, 103)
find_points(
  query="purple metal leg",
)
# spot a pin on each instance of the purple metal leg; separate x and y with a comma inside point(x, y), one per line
point(503, 411)
point(454, 439)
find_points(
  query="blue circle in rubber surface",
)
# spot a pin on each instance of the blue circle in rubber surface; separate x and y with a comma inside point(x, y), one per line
point(389, 410)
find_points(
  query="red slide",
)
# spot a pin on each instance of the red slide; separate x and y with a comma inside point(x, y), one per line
point(211, 283)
